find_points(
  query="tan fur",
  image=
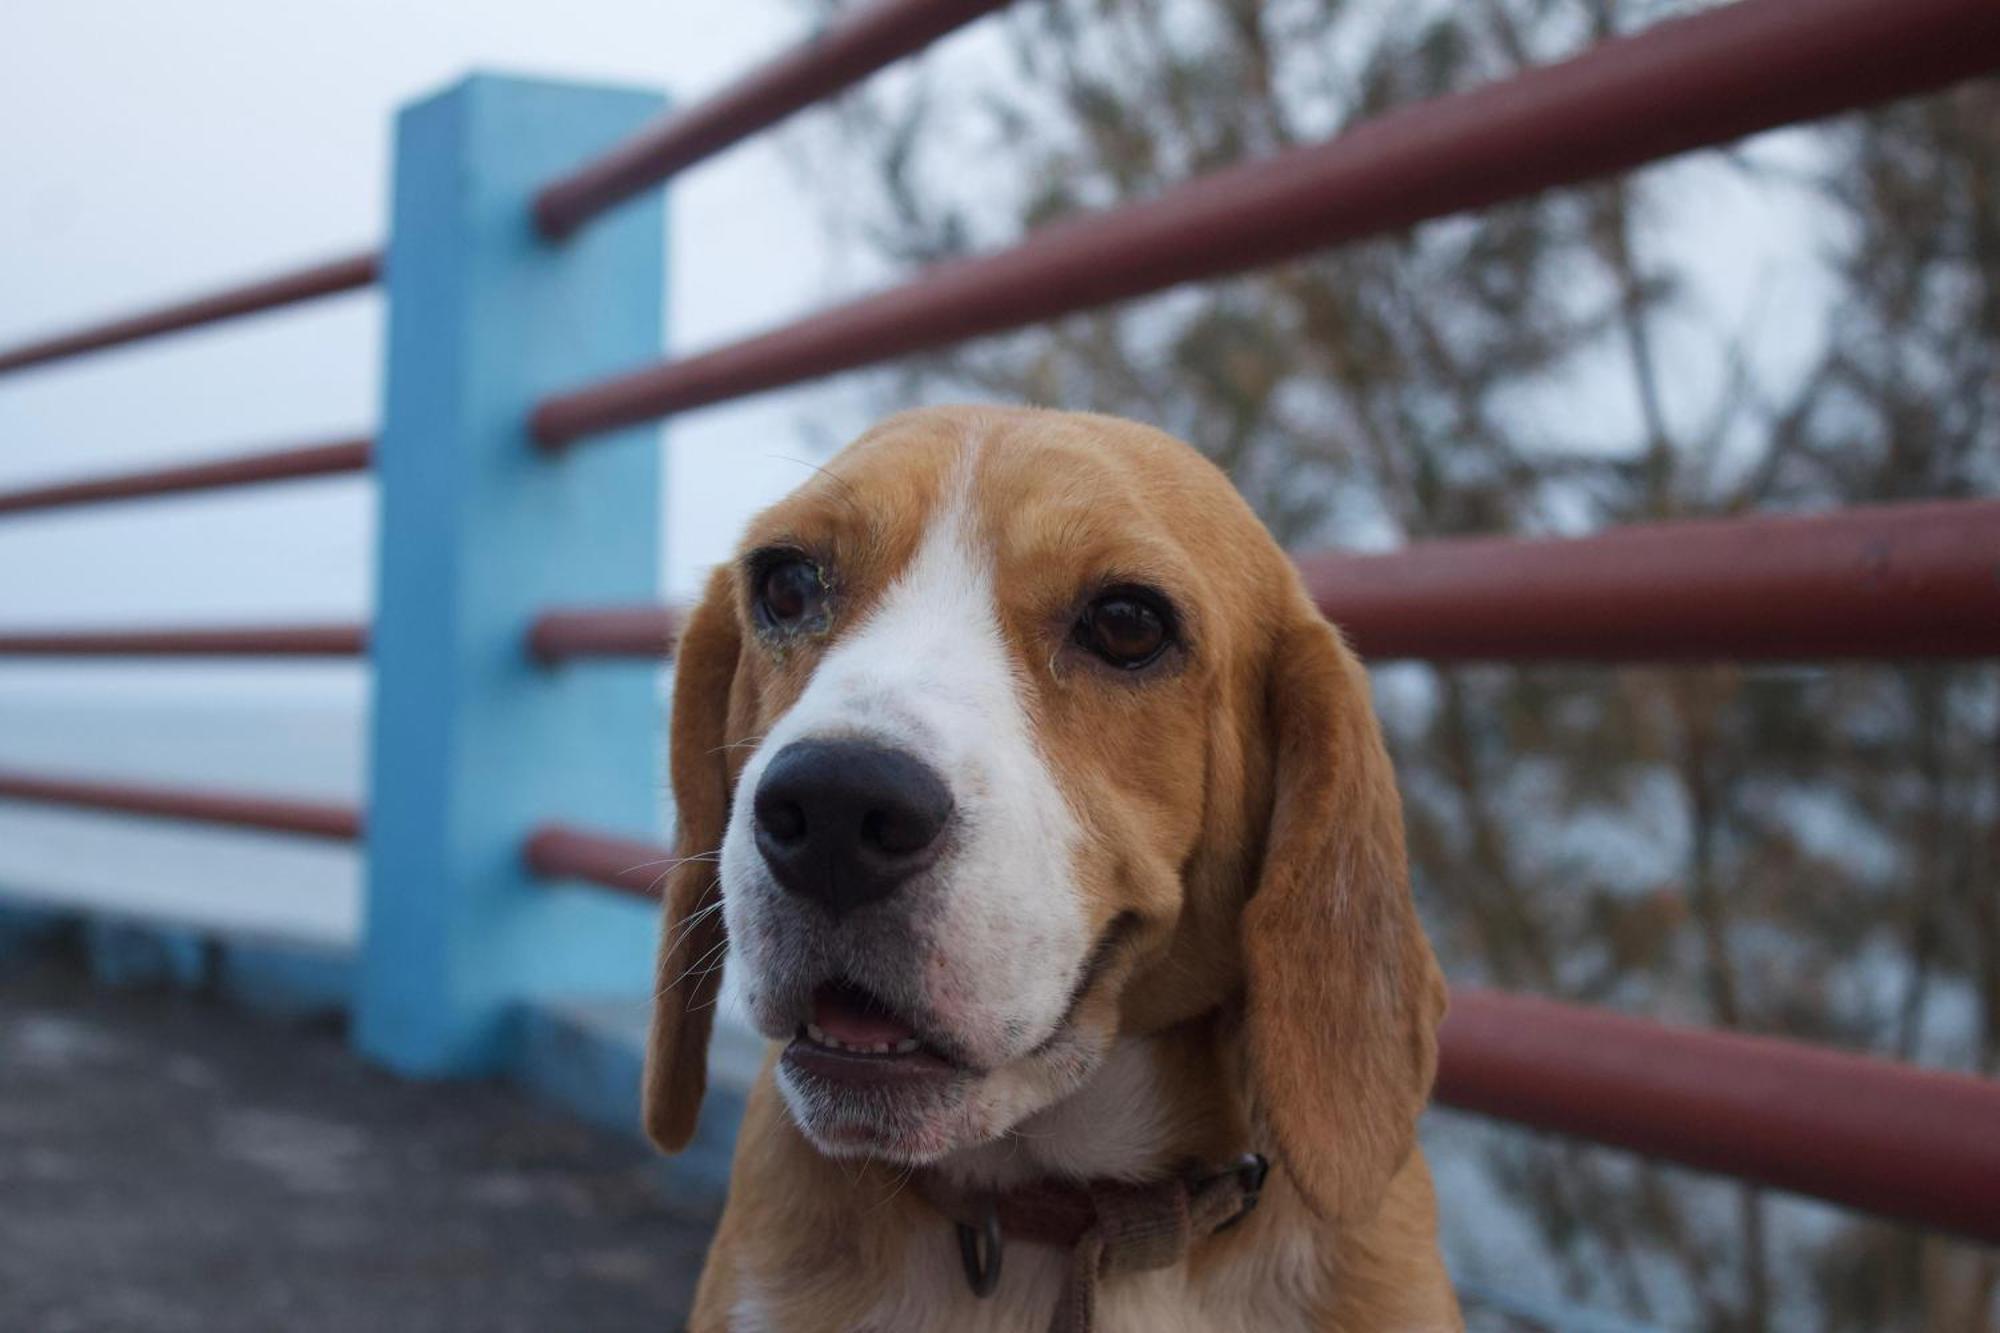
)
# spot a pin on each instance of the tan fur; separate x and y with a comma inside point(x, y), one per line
point(1239, 813)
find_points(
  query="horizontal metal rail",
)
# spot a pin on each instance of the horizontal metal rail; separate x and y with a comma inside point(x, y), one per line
point(611, 631)
point(346, 274)
point(343, 639)
point(310, 460)
point(309, 819)
point(1889, 1139)
point(829, 62)
point(626, 865)
point(1884, 582)
point(1880, 582)
point(1688, 83)
point(1901, 1142)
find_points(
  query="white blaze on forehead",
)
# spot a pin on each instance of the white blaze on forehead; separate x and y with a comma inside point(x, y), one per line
point(929, 672)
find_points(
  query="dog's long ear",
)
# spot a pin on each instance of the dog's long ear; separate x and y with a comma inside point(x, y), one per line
point(691, 932)
point(1344, 994)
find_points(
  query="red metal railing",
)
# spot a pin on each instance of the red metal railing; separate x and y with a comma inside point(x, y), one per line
point(610, 631)
point(306, 818)
point(840, 57)
point(1894, 581)
point(1686, 84)
point(330, 640)
point(625, 865)
point(311, 460)
point(1906, 1143)
point(346, 274)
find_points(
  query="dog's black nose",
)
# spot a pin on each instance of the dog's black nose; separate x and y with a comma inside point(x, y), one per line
point(845, 822)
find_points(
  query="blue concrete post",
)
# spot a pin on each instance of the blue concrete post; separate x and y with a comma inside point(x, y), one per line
point(474, 743)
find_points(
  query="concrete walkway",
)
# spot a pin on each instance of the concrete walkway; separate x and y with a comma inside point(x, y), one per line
point(168, 1164)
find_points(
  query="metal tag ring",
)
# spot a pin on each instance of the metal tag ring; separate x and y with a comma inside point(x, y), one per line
point(979, 1248)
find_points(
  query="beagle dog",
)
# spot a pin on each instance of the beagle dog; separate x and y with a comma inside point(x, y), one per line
point(1052, 832)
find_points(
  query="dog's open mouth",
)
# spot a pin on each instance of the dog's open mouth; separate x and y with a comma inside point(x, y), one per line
point(853, 1037)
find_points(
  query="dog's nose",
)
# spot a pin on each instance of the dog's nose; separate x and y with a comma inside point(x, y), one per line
point(844, 823)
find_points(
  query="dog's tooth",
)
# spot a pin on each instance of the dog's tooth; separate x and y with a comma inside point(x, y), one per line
point(821, 1037)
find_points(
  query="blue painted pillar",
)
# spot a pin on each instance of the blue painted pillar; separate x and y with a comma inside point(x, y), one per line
point(474, 743)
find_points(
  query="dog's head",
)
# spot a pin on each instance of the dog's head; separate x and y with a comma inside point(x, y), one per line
point(1011, 732)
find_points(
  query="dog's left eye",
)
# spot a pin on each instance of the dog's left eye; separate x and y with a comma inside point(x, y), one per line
point(789, 591)
point(1127, 627)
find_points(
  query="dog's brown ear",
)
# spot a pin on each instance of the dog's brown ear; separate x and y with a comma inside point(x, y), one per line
point(692, 942)
point(1344, 994)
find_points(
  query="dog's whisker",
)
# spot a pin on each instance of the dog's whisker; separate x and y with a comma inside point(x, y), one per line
point(690, 969)
point(674, 937)
point(671, 863)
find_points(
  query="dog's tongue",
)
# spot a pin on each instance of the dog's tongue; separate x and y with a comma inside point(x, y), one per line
point(849, 1016)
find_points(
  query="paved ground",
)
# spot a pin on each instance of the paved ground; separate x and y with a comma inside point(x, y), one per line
point(168, 1164)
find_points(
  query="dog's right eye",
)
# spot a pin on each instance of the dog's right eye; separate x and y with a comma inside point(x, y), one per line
point(790, 591)
point(1128, 627)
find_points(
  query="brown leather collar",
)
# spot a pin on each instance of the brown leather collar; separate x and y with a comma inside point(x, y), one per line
point(1108, 1227)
